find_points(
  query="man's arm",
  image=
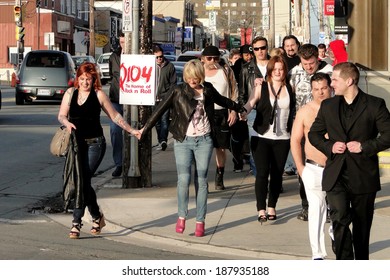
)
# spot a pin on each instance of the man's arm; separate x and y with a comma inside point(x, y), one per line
point(297, 134)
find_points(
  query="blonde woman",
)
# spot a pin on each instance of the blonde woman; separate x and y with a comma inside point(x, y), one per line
point(192, 127)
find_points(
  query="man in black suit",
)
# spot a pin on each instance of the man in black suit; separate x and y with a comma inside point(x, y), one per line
point(350, 129)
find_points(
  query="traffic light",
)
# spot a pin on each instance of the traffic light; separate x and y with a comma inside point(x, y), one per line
point(19, 33)
point(17, 13)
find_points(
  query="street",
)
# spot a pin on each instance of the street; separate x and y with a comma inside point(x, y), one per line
point(29, 174)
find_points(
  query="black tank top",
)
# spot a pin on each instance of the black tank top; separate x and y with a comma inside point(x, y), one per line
point(86, 117)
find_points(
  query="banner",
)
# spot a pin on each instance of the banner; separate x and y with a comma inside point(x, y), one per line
point(329, 7)
point(137, 79)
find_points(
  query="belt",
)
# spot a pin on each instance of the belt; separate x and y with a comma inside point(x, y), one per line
point(314, 163)
point(96, 140)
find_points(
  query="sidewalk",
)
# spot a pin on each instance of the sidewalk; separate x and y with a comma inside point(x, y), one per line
point(147, 217)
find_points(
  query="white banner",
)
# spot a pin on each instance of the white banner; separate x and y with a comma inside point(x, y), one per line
point(137, 79)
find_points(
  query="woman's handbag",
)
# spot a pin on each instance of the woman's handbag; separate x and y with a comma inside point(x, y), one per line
point(60, 143)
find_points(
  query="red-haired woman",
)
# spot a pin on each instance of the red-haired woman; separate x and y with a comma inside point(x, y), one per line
point(80, 111)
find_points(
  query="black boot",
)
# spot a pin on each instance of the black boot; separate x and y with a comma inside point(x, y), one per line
point(219, 178)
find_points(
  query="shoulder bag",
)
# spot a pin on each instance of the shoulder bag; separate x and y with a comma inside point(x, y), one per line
point(60, 143)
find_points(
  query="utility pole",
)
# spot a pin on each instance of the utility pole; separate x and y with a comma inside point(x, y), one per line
point(131, 177)
point(38, 6)
point(307, 38)
point(19, 30)
point(145, 147)
point(321, 15)
point(271, 39)
point(183, 26)
point(92, 28)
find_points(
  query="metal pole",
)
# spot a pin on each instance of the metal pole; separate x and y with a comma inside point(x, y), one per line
point(92, 28)
point(131, 171)
point(183, 26)
point(20, 42)
point(38, 24)
point(134, 167)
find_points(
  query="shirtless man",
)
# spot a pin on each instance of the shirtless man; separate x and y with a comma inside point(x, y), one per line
point(310, 163)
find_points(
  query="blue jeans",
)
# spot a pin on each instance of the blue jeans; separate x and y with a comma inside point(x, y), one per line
point(116, 134)
point(91, 155)
point(196, 150)
point(162, 126)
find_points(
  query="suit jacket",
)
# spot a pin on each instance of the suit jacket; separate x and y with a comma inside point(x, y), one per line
point(370, 125)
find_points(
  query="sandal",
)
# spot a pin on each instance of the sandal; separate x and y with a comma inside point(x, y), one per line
point(75, 231)
point(97, 225)
point(271, 217)
point(262, 218)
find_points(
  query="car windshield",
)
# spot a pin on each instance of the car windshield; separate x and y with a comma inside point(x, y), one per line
point(104, 59)
point(78, 60)
point(46, 60)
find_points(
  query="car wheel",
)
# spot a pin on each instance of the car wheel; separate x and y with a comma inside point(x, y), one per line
point(19, 99)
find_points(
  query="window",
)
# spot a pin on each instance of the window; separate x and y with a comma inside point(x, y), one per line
point(73, 7)
point(79, 9)
point(62, 8)
point(233, 4)
point(86, 11)
point(253, 4)
point(68, 7)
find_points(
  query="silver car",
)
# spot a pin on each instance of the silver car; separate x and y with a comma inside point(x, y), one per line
point(104, 67)
point(45, 75)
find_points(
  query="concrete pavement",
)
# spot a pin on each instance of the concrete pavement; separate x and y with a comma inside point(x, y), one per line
point(147, 217)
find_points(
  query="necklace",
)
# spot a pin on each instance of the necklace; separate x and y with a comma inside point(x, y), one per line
point(81, 99)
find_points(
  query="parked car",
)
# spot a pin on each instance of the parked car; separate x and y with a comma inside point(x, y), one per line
point(170, 57)
point(187, 56)
point(179, 74)
point(80, 59)
point(104, 67)
point(44, 74)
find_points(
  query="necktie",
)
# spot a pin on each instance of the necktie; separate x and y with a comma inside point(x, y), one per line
point(274, 112)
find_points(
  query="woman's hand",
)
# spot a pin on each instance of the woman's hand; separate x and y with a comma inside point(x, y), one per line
point(232, 118)
point(69, 126)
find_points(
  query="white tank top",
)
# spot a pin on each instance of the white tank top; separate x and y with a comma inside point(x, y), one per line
point(221, 84)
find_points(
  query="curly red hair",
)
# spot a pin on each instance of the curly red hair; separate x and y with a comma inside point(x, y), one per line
point(90, 69)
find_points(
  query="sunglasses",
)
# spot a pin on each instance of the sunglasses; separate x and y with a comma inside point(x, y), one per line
point(215, 58)
point(260, 48)
point(160, 56)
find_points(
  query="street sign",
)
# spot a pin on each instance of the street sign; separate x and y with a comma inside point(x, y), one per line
point(48, 39)
point(188, 38)
point(127, 16)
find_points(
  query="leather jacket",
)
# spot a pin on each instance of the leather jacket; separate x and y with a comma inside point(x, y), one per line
point(249, 73)
point(182, 104)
